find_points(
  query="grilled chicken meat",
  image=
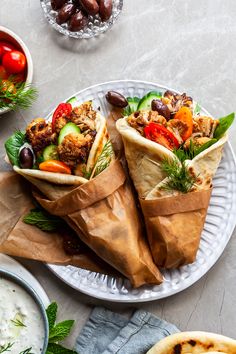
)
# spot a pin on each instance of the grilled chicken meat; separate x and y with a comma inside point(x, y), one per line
point(84, 116)
point(60, 122)
point(138, 120)
point(178, 128)
point(175, 101)
point(74, 149)
point(197, 141)
point(39, 134)
point(205, 126)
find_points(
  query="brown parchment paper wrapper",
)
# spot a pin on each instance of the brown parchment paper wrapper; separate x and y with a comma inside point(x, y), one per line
point(104, 215)
point(174, 225)
point(22, 240)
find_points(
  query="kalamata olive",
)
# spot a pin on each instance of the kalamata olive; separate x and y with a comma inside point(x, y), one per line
point(77, 4)
point(77, 21)
point(65, 13)
point(90, 6)
point(116, 99)
point(161, 108)
point(71, 242)
point(26, 158)
point(105, 9)
point(57, 4)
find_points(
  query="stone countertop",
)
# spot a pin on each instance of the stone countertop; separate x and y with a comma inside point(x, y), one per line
point(188, 45)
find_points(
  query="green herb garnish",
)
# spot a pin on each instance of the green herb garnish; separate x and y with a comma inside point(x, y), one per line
point(179, 177)
point(193, 150)
point(27, 351)
point(13, 145)
point(57, 332)
point(18, 323)
point(20, 95)
point(197, 109)
point(224, 124)
point(43, 220)
point(103, 160)
point(6, 348)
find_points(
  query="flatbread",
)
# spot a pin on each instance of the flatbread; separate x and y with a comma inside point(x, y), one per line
point(194, 343)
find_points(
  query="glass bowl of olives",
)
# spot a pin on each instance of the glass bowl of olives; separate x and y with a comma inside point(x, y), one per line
point(81, 18)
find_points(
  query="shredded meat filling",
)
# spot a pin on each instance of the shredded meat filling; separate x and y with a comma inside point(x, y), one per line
point(205, 125)
point(138, 120)
point(75, 148)
point(39, 134)
point(84, 116)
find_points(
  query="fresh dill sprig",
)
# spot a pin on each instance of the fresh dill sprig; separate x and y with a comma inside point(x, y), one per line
point(6, 348)
point(179, 177)
point(27, 351)
point(18, 323)
point(103, 160)
point(16, 95)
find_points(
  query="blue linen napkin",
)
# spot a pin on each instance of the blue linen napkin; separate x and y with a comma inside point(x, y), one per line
point(107, 332)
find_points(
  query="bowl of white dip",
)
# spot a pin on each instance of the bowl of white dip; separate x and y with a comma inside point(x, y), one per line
point(23, 318)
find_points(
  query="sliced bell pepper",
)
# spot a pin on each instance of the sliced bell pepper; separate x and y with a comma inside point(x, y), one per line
point(158, 133)
point(185, 115)
point(55, 166)
point(62, 109)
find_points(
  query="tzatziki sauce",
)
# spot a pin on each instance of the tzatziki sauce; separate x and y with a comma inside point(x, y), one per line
point(21, 322)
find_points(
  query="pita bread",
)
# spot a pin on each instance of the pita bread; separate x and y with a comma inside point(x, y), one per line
point(63, 179)
point(194, 343)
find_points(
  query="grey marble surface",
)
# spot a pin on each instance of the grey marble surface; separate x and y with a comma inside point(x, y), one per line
point(185, 44)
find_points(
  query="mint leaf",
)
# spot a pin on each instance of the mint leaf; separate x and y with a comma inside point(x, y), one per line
point(13, 145)
point(43, 220)
point(60, 331)
point(52, 314)
point(54, 348)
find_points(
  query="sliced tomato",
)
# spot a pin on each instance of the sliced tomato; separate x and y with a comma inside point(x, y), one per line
point(55, 166)
point(63, 109)
point(185, 115)
point(158, 133)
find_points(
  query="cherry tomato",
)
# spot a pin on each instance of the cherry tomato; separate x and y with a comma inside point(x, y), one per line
point(3, 73)
point(14, 62)
point(161, 135)
point(55, 166)
point(63, 109)
point(185, 115)
point(5, 47)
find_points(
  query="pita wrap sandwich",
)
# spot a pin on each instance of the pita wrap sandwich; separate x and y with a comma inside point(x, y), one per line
point(194, 343)
point(70, 163)
point(173, 153)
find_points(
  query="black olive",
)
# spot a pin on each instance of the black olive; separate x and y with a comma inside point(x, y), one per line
point(78, 21)
point(116, 99)
point(161, 108)
point(65, 13)
point(26, 158)
point(57, 4)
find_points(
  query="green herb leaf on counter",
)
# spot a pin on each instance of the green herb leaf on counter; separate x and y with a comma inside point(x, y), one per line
point(57, 332)
point(18, 323)
point(179, 177)
point(43, 220)
point(104, 159)
point(20, 95)
point(54, 348)
point(13, 145)
point(52, 314)
point(60, 331)
point(27, 351)
point(6, 348)
point(225, 123)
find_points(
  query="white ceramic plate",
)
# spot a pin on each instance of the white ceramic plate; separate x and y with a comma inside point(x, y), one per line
point(219, 225)
point(10, 264)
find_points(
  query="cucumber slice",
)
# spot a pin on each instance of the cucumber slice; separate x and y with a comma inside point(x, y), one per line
point(50, 153)
point(72, 100)
point(146, 102)
point(133, 103)
point(68, 129)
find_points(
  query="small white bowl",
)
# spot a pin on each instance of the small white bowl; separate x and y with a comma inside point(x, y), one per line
point(9, 36)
